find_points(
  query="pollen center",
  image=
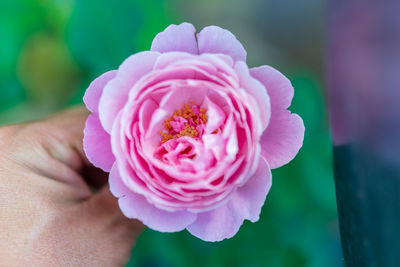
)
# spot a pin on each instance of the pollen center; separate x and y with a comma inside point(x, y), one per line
point(187, 121)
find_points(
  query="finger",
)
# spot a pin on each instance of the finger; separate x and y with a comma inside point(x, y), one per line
point(64, 135)
point(66, 144)
point(102, 210)
point(104, 206)
point(51, 147)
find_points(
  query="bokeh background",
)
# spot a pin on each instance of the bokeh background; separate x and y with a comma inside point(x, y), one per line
point(50, 50)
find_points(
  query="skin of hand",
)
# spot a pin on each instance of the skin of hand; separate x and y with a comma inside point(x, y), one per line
point(55, 208)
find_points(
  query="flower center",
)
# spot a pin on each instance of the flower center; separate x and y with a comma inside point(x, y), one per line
point(187, 121)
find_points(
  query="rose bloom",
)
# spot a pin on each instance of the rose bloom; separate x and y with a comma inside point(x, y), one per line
point(189, 133)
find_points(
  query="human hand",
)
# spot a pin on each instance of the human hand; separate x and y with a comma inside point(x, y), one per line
point(49, 215)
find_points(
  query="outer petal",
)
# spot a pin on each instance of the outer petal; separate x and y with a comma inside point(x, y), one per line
point(282, 139)
point(213, 39)
point(135, 206)
point(176, 38)
point(246, 203)
point(251, 196)
point(257, 90)
point(97, 144)
point(279, 88)
point(117, 186)
point(116, 92)
point(218, 224)
point(285, 133)
point(95, 89)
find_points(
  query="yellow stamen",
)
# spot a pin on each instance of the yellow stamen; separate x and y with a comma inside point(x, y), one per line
point(189, 130)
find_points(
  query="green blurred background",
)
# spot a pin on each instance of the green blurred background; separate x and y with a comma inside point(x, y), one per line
point(50, 50)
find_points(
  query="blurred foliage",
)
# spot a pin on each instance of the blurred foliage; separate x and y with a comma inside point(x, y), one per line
point(51, 49)
point(47, 71)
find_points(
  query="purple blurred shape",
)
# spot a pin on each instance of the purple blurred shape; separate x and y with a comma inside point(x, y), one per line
point(363, 71)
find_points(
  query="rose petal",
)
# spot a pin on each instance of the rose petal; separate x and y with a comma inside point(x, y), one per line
point(218, 224)
point(279, 88)
point(257, 90)
point(116, 92)
point(183, 92)
point(246, 203)
point(167, 59)
point(135, 206)
point(284, 136)
point(95, 89)
point(282, 139)
point(213, 39)
point(97, 144)
point(215, 115)
point(145, 114)
point(176, 38)
point(251, 196)
point(117, 186)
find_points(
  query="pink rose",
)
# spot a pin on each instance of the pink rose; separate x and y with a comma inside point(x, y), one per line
point(189, 133)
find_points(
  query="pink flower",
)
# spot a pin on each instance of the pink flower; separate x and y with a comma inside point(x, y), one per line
point(189, 133)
